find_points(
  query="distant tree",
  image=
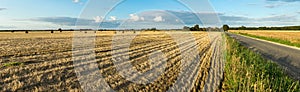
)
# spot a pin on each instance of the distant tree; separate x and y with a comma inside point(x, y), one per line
point(192, 29)
point(225, 28)
point(197, 28)
point(26, 32)
point(52, 31)
point(186, 28)
point(59, 30)
point(153, 29)
point(243, 28)
point(262, 28)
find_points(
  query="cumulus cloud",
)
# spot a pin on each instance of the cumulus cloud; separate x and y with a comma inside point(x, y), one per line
point(69, 21)
point(174, 19)
point(98, 19)
point(158, 19)
point(113, 18)
point(212, 19)
point(76, 1)
point(135, 17)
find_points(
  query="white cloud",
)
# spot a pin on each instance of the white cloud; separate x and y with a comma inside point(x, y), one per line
point(158, 19)
point(76, 1)
point(134, 17)
point(142, 18)
point(113, 18)
point(98, 19)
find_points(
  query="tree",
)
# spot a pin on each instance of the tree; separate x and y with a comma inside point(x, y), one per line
point(225, 28)
point(186, 28)
point(243, 28)
point(197, 28)
point(59, 30)
point(153, 29)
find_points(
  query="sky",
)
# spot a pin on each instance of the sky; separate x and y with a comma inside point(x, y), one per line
point(137, 14)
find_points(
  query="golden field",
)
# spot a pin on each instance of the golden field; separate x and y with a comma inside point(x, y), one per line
point(41, 61)
point(292, 36)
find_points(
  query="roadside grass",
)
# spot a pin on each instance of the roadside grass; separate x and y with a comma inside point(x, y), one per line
point(11, 64)
point(282, 41)
point(247, 71)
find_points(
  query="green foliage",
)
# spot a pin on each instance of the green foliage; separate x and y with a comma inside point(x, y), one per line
point(247, 71)
point(225, 27)
point(12, 64)
point(197, 28)
point(286, 42)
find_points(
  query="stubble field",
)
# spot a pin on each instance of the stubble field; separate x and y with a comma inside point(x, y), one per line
point(291, 37)
point(41, 61)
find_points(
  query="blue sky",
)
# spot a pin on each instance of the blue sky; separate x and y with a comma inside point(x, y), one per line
point(53, 14)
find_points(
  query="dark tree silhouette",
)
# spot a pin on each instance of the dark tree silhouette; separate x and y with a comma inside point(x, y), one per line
point(225, 28)
point(59, 30)
point(195, 28)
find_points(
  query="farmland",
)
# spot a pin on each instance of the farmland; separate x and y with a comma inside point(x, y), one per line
point(41, 61)
point(284, 37)
point(247, 70)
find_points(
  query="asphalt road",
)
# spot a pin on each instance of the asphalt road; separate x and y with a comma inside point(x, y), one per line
point(287, 57)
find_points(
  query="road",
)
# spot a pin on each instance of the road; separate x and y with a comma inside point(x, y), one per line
point(287, 57)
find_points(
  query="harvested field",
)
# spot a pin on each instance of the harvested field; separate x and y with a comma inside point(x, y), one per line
point(41, 61)
point(292, 36)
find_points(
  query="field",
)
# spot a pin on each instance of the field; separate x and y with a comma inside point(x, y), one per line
point(41, 61)
point(248, 71)
point(285, 37)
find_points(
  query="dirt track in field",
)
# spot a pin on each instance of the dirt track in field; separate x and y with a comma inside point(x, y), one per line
point(47, 62)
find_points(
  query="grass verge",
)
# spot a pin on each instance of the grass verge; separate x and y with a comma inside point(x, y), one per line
point(286, 42)
point(247, 71)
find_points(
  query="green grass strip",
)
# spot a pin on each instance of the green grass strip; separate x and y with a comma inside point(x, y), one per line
point(12, 64)
point(247, 71)
point(286, 42)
